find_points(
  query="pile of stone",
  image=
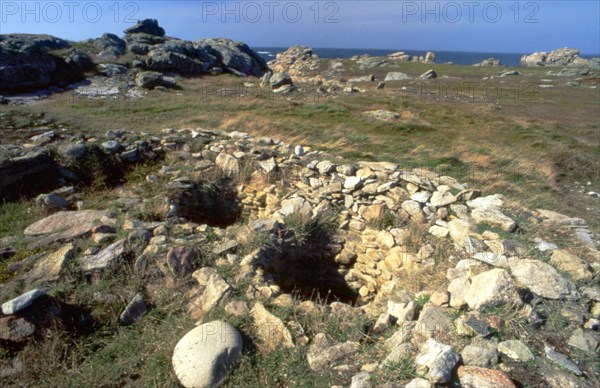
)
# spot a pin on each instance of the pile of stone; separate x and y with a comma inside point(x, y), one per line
point(362, 257)
point(297, 61)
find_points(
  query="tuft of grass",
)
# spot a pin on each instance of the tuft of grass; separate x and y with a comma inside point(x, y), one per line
point(309, 231)
point(401, 371)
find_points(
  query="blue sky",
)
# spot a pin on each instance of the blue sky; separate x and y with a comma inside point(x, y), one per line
point(462, 25)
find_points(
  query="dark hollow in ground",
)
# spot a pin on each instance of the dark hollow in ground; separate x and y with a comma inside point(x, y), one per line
point(214, 203)
point(307, 268)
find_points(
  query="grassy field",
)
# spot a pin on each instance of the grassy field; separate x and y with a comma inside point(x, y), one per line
point(539, 146)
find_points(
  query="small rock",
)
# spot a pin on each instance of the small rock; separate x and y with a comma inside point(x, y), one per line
point(22, 301)
point(583, 340)
point(15, 329)
point(111, 146)
point(52, 202)
point(516, 350)
point(270, 329)
point(480, 352)
point(361, 380)
point(324, 352)
point(436, 361)
point(134, 310)
point(181, 260)
point(472, 324)
point(476, 377)
point(104, 258)
point(562, 361)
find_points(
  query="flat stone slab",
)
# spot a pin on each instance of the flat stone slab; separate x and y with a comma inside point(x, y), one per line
point(62, 226)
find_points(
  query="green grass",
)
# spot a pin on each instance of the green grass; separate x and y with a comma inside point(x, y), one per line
point(15, 217)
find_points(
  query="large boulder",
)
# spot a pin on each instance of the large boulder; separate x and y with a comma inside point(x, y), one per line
point(234, 57)
point(179, 57)
point(204, 356)
point(492, 288)
point(152, 79)
point(140, 43)
point(109, 46)
point(146, 26)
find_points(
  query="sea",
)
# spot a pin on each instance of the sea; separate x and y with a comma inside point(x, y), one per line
point(456, 57)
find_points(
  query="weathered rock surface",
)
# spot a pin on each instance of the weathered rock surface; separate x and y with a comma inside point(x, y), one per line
point(396, 76)
point(476, 377)
point(49, 267)
point(271, 330)
point(324, 352)
point(492, 288)
point(437, 361)
point(134, 310)
point(15, 329)
point(298, 61)
point(27, 64)
point(205, 355)
point(104, 258)
point(69, 224)
point(559, 57)
point(29, 173)
point(516, 350)
point(543, 279)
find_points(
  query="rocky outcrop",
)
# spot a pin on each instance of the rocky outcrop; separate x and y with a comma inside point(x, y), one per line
point(401, 56)
point(109, 46)
point(297, 61)
point(559, 57)
point(146, 26)
point(490, 62)
point(29, 62)
point(234, 57)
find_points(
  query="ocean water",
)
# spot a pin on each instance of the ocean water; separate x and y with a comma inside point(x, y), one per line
point(456, 57)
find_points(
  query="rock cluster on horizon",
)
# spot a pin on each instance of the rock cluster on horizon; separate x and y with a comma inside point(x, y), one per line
point(560, 57)
point(33, 62)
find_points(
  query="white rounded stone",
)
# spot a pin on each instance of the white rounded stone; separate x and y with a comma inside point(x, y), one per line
point(204, 356)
